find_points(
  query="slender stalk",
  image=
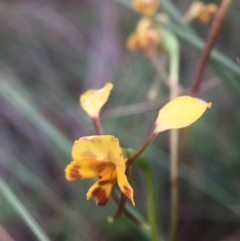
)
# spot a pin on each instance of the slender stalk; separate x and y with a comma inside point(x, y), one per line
point(151, 206)
point(97, 125)
point(143, 164)
point(159, 64)
point(211, 40)
point(174, 180)
point(174, 184)
point(171, 45)
point(174, 170)
point(128, 213)
point(152, 134)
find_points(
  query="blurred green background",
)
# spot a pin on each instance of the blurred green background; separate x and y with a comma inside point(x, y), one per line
point(52, 51)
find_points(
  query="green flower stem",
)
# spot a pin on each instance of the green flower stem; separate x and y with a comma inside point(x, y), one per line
point(97, 125)
point(22, 211)
point(143, 146)
point(151, 205)
point(171, 45)
point(151, 211)
point(174, 184)
point(159, 65)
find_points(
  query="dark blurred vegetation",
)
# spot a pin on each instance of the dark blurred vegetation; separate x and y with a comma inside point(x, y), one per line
point(52, 51)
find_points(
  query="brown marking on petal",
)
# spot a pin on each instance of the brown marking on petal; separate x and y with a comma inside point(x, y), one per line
point(127, 191)
point(74, 172)
point(110, 179)
point(102, 166)
point(112, 176)
point(100, 196)
point(74, 175)
point(103, 182)
point(137, 44)
point(76, 167)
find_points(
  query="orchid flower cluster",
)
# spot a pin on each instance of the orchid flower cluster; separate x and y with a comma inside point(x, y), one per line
point(101, 155)
point(148, 36)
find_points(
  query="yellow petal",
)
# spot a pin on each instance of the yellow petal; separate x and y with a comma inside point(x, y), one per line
point(124, 185)
point(194, 10)
point(103, 148)
point(101, 190)
point(93, 100)
point(204, 12)
point(146, 7)
point(101, 193)
point(180, 112)
point(207, 12)
point(108, 175)
point(85, 168)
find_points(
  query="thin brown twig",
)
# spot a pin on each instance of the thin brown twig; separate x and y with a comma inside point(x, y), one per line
point(128, 213)
point(211, 40)
point(97, 125)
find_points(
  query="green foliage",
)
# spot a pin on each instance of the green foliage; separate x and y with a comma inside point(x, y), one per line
point(49, 54)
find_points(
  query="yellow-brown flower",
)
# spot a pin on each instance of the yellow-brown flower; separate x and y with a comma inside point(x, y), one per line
point(147, 37)
point(99, 156)
point(203, 12)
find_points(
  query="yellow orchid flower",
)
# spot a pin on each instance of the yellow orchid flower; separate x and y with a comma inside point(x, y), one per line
point(99, 156)
point(147, 37)
point(146, 7)
point(180, 112)
point(203, 12)
point(93, 100)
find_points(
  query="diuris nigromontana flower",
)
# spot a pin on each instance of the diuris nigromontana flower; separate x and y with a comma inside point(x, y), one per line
point(146, 37)
point(203, 12)
point(102, 157)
